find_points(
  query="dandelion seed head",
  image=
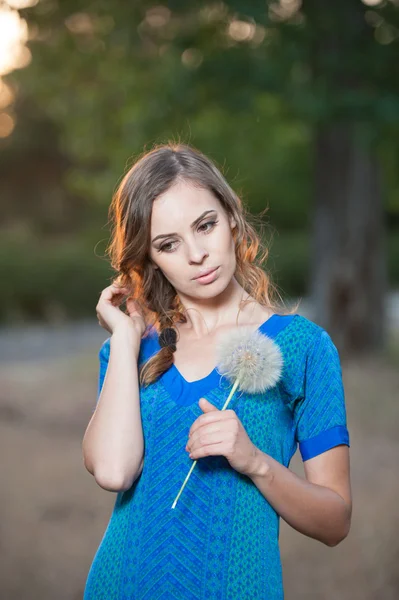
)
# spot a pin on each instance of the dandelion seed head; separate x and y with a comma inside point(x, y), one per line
point(251, 356)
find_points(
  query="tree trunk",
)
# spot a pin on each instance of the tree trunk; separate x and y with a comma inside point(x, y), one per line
point(348, 270)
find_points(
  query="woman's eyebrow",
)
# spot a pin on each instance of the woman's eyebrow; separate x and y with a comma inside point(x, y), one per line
point(193, 224)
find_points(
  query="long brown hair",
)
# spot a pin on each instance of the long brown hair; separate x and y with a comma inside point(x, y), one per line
point(130, 213)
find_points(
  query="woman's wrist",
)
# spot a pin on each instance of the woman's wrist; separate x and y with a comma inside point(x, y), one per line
point(260, 467)
point(126, 336)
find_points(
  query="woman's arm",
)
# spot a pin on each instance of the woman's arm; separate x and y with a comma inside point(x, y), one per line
point(319, 506)
point(113, 444)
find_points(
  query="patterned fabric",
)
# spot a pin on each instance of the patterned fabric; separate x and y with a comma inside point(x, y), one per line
point(221, 540)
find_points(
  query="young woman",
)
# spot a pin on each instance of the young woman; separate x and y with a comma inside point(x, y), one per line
point(186, 258)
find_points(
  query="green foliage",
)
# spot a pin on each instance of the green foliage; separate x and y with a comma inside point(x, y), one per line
point(245, 82)
point(63, 280)
point(288, 263)
point(114, 81)
point(51, 281)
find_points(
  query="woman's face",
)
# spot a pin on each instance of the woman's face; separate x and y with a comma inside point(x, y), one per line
point(196, 234)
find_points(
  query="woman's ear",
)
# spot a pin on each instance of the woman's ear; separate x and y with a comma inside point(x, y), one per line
point(233, 223)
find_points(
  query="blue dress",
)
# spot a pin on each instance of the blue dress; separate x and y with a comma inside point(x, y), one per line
point(220, 542)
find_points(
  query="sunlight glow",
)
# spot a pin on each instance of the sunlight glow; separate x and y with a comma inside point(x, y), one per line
point(80, 23)
point(211, 13)
point(372, 2)
point(7, 125)
point(241, 31)
point(158, 16)
point(14, 54)
point(18, 4)
point(192, 58)
point(284, 9)
point(6, 95)
point(13, 36)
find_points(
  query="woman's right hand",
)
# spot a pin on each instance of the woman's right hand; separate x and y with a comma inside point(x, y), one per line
point(110, 317)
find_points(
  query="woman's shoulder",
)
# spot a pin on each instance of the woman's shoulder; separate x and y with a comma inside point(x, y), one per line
point(305, 326)
point(305, 335)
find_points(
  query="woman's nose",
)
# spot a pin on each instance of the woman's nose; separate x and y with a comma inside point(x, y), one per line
point(197, 253)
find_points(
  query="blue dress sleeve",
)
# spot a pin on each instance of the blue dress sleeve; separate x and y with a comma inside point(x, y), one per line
point(103, 356)
point(320, 413)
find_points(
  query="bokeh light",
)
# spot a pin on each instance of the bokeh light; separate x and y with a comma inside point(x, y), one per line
point(284, 9)
point(14, 54)
point(7, 125)
point(6, 95)
point(372, 2)
point(158, 16)
point(192, 58)
point(241, 31)
point(13, 36)
point(19, 4)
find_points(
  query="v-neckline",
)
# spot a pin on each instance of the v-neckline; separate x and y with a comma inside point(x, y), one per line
point(185, 392)
point(260, 328)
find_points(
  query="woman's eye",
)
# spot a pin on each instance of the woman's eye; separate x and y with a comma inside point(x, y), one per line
point(208, 223)
point(167, 247)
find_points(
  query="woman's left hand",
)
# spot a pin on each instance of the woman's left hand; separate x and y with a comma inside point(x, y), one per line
point(220, 432)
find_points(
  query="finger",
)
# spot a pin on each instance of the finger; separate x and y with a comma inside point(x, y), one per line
point(115, 288)
point(120, 291)
point(207, 406)
point(114, 295)
point(204, 429)
point(210, 435)
point(107, 293)
point(211, 417)
point(217, 449)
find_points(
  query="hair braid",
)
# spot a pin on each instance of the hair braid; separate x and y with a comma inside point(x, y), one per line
point(163, 359)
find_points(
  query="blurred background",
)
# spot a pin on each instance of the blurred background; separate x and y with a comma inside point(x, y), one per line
point(297, 102)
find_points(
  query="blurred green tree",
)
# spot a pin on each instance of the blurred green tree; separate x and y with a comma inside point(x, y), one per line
point(291, 87)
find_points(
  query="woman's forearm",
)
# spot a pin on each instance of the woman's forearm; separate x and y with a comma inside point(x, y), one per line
point(311, 509)
point(113, 444)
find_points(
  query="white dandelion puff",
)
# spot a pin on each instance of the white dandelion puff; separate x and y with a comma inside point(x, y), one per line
point(251, 357)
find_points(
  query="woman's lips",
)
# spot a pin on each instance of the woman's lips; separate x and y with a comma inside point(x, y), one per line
point(208, 278)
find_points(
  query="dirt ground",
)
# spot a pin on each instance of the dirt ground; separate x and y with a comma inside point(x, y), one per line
point(54, 514)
